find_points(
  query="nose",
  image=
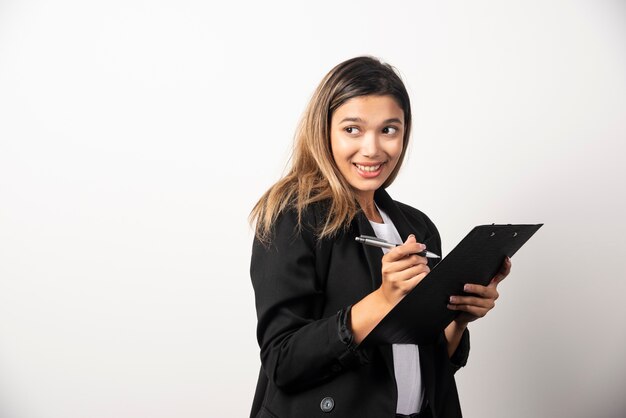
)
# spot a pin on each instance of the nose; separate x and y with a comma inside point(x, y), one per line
point(370, 146)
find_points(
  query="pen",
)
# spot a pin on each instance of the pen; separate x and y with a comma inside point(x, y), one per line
point(377, 242)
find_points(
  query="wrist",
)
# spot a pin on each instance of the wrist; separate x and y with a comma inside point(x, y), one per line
point(367, 313)
point(454, 333)
point(460, 323)
point(384, 302)
point(455, 330)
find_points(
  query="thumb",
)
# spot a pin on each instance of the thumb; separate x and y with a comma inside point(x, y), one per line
point(410, 239)
point(505, 269)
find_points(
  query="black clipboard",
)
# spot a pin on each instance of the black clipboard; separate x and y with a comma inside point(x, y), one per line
point(422, 315)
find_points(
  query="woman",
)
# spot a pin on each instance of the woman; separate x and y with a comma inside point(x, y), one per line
point(319, 293)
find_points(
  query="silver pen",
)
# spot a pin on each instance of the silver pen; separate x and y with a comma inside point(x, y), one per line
point(377, 242)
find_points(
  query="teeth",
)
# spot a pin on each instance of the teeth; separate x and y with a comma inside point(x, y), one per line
point(369, 168)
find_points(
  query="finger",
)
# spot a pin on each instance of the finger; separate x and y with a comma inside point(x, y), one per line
point(472, 301)
point(406, 274)
point(402, 265)
point(473, 310)
point(505, 269)
point(409, 247)
point(489, 292)
point(410, 261)
point(404, 250)
point(390, 267)
point(409, 284)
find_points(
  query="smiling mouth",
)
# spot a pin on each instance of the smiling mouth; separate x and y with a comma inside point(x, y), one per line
point(368, 168)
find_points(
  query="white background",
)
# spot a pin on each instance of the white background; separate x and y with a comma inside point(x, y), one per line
point(135, 136)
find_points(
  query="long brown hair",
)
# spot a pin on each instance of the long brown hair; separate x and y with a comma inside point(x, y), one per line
point(313, 174)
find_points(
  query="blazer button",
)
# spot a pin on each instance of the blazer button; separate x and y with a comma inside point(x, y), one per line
point(327, 404)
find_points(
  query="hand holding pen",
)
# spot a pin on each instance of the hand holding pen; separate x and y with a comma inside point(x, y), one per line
point(403, 267)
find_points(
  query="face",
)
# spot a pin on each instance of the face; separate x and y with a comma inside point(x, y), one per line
point(366, 139)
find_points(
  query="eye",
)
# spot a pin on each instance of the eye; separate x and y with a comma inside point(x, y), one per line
point(390, 130)
point(352, 130)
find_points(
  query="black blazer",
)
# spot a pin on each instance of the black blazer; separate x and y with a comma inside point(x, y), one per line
point(300, 285)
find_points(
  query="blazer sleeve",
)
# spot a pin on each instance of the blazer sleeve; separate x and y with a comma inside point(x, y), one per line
point(299, 347)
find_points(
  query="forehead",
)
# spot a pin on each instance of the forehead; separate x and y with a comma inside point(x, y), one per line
point(369, 109)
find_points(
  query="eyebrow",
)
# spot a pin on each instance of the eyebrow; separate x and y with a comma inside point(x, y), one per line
point(359, 120)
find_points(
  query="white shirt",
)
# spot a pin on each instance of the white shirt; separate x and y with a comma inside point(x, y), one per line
point(406, 357)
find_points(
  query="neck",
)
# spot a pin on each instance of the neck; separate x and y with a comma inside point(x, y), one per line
point(369, 209)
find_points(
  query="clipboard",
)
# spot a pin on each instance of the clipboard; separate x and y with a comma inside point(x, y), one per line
point(422, 314)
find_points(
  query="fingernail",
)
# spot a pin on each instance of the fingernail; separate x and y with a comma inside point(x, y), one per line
point(452, 299)
point(466, 288)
